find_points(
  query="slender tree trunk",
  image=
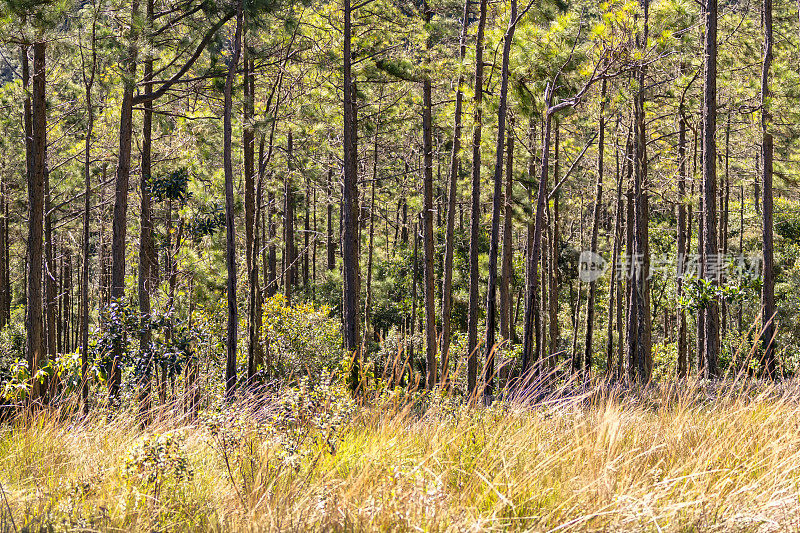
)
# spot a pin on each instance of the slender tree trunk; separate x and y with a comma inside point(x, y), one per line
point(427, 221)
point(331, 242)
point(350, 212)
point(725, 195)
point(683, 355)
point(613, 286)
point(475, 212)
point(638, 334)
point(598, 202)
point(372, 210)
point(553, 302)
point(768, 310)
point(290, 252)
point(230, 230)
point(50, 273)
point(710, 251)
point(257, 315)
point(452, 199)
point(272, 262)
point(147, 270)
point(250, 227)
point(306, 234)
point(532, 321)
point(534, 252)
point(739, 318)
point(87, 205)
point(34, 319)
point(120, 224)
point(497, 207)
point(508, 252)
point(5, 295)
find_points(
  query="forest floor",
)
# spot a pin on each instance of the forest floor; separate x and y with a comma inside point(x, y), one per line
point(664, 460)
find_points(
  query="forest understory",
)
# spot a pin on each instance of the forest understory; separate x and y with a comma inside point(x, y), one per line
point(686, 457)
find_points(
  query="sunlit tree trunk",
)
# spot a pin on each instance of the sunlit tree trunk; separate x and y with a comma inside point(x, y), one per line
point(120, 223)
point(230, 230)
point(452, 198)
point(475, 211)
point(768, 310)
point(710, 249)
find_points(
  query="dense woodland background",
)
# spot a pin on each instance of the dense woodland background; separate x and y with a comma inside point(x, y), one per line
point(206, 196)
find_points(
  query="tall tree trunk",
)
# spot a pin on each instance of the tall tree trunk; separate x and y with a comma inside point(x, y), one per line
point(638, 334)
point(272, 261)
point(475, 211)
point(532, 321)
point(710, 251)
point(452, 199)
point(5, 295)
point(290, 252)
point(250, 206)
point(120, 224)
point(508, 253)
point(50, 273)
point(725, 195)
point(257, 315)
point(497, 206)
point(534, 252)
point(683, 354)
point(34, 320)
point(614, 288)
point(331, 242)
point(306, 234)
point(147, 268)
point(350, 211)
point(372, 209)
point(553, 302)
point(87, 204)
point(598, 202)
point(739, 318)
point(427, 221)
point(768, 277)
point(230, 229)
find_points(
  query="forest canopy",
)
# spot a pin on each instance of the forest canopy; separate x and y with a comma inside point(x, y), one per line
point(225, 195)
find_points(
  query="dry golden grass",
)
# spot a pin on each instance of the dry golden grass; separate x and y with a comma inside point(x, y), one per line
point(659, 460)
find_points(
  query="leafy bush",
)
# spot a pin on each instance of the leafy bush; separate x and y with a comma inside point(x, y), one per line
point(156, 459)
point(300, 338)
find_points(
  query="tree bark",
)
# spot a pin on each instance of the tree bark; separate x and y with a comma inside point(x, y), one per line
point(768, 277)
point(120, 223)
point(147, 268)
point(475, 211)
point(682, 346)
point(553, 302)
point(452, 199)
point(230, 230)
point(370, 252)
point(34, 320)
point(331, 242)
point(598, 202)
point(710, 250)
point(613, 366)
point(427, 224)
point(638, 334)
point(350, 212)
point(250, 227)
point(290, 252)
point(534, 252)
point(508, 252)
point(497, 207)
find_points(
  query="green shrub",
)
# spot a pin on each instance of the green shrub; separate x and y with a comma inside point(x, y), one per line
point(301, 339)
